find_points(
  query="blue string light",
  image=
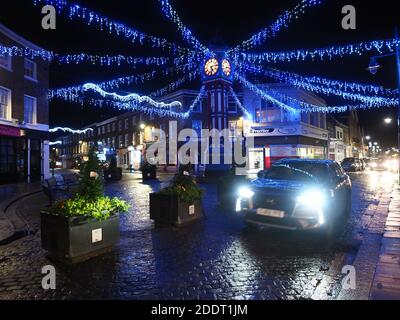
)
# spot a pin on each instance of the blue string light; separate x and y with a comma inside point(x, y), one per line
point(187, 35)
point(63, 129)
point(301, 82)
point(135, 106)
point(130, 97)
point(285, 76)
point(176, 84)
point(72, 93)
point(240, 105)
point(379, 46)
point(103, 23)
point(282, 22)
point(262, 94)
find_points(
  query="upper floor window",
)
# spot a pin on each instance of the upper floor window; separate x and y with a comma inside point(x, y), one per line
point(5, 62)
point(30, 109)
point(5, 103)
point(119, 125)
point(30, 69)
point(232, 106)
point(126, 124)
point(113, 126)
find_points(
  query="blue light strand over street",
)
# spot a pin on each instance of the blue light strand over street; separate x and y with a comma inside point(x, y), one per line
point(262, 93)
point(130, 97)
point(368, 101)
point(65, 129)
point(187, 35)
point(281, 23)
point(161, 112)
point(72, 93)
point(240, 105)
point(377, 46)
point(105, 24)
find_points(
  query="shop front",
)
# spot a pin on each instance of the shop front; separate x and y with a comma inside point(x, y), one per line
point(275, 143)
point(24, 155)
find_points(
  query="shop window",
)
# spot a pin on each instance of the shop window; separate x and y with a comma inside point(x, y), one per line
point(273, 115)
point(5, 103)
point(30, 69)
point(30, 109)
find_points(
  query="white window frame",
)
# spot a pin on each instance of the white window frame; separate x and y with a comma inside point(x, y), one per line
point(34, 78)
point(34, 111)
point(9, 104)
point(9, 63)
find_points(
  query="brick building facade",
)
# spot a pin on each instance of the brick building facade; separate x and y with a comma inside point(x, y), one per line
point(24, 113)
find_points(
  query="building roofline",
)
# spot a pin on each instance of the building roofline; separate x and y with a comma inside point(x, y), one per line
point(17, 38)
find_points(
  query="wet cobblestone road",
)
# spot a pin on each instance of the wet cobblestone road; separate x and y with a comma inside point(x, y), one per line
point(217, 258)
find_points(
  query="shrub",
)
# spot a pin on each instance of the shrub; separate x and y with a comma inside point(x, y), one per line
point(185, 187)
point(100, 208)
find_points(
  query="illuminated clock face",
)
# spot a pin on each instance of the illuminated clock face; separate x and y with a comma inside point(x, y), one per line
point(211, 67)
point(226, 67)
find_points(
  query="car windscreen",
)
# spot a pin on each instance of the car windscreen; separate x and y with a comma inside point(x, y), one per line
point(286, 172)
point(348, 160)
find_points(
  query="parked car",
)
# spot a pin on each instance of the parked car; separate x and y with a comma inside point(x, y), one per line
point(352, 164)
point(297, 194)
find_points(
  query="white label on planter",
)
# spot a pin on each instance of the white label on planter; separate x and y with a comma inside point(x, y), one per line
point(191, 210)
point(97, 235)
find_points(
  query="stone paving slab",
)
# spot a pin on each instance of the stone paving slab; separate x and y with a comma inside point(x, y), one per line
point(386, 285)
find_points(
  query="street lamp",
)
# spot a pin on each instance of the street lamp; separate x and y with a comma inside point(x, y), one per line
point(388, 120)
point(374, 67)
point(368, 138)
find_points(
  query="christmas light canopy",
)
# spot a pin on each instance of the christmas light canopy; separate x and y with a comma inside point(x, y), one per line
point(195, 59)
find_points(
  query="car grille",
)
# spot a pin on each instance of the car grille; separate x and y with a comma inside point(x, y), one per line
point(282, 202)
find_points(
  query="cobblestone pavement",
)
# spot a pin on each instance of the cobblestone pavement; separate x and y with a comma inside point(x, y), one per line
point(217, 258)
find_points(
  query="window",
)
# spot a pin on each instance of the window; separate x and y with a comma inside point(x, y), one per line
point(120, 142)
point(274, 114)
point(30, 69)
point(127, 140)
point(99, 130)
point(113, 126)
point(103, 129)
point(5, 62)
point(232, 106)
point(108, 128)
point(126, 124)
point(119, 125)
point(5, 103)
point(30, 110)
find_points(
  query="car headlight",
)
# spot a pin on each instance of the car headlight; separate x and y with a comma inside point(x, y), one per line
point(311, 198)
point(245, 192)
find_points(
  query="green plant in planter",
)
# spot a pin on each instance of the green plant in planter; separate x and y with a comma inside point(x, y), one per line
point(89, 200)
point(100, 208)
point(185, 187)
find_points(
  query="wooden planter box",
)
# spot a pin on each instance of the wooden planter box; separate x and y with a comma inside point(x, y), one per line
point(77, 239)
point(169, 210)
point(149, 174)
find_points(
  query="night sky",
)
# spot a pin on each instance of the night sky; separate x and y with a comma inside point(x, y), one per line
point(319, 27)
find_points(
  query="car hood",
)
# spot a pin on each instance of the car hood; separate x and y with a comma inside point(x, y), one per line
point(282, 185)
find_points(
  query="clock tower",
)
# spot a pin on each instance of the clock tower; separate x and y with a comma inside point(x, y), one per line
point(217, 77)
